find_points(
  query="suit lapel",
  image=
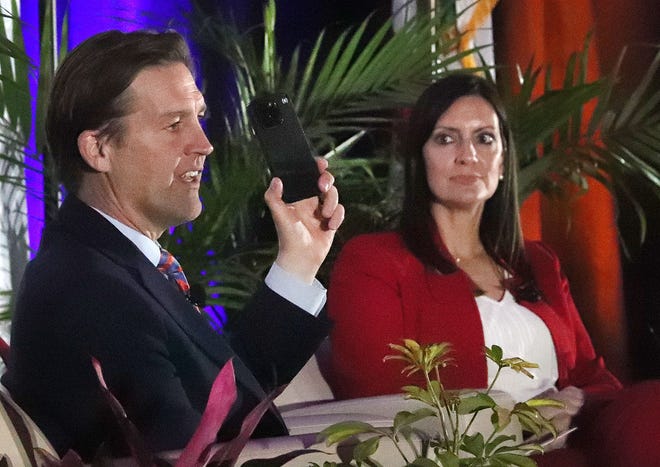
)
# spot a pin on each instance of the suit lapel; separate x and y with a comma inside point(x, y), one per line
point(94, 230)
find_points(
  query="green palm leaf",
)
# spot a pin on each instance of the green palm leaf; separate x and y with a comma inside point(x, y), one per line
point(617, 146)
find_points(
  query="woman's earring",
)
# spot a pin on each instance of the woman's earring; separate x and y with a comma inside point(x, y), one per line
point(501, 177)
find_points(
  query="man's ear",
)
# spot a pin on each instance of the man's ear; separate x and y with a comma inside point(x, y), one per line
point(92, 151)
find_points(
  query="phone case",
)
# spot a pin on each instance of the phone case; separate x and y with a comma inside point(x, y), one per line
point(285, 145)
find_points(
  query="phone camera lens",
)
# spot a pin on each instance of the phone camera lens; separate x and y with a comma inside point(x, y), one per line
point(272, 115)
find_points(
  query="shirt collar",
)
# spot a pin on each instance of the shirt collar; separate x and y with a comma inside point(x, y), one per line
point(147, 246)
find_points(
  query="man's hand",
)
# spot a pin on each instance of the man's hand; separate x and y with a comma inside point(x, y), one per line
point(306, 228)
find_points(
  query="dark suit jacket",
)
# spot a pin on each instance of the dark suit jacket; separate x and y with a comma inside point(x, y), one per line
point(91, 292)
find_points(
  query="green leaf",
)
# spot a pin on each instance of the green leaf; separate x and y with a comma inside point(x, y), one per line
point(420, 394)
point(365, 449)
point(501, 418)
point(345, 146)
point(526, 447)
point(405, 418)
point(494, 444)
point(495, 353)
point(340, 431)
point(424, 358)
point(532, 420)
point(424, 462)
point(544, 403)
point(475, 403)
point(519, 365)
point(474, 444)
point(515, 459)
point(448, 459)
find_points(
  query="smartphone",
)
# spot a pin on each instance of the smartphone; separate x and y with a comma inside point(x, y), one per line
point(285, 145)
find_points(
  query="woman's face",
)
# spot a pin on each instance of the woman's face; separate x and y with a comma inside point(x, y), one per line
point(463, 155)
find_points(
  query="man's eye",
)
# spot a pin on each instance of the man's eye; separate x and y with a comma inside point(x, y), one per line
point(174, 125)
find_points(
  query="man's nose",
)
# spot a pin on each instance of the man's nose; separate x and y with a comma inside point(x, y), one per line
point(200, 144)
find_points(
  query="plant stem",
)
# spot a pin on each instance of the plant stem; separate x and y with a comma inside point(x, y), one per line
point(474, 415)
point(438, 404)
point(439, 407)
point(392, 438)
point(497, 375)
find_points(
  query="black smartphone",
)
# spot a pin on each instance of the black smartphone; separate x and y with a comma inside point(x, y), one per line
point(285, 145)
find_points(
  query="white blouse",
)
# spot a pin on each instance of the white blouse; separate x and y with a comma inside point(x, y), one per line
point(520, 333)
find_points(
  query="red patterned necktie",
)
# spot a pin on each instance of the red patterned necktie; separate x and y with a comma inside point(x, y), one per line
point(171, 268)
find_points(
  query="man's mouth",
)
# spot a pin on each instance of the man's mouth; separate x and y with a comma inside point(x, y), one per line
point(191, 175)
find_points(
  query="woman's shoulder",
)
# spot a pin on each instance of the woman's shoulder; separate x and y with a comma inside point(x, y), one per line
point(389, 239)
point(376, 247)
point(388, 243)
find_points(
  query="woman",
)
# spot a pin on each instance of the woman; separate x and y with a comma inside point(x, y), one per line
point(458, 269)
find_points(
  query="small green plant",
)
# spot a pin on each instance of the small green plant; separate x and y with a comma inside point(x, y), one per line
point(452, 444)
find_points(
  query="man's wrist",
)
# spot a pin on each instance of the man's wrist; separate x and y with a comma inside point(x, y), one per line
point(308, 296)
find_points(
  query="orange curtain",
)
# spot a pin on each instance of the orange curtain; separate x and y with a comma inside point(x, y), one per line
point(581, 229)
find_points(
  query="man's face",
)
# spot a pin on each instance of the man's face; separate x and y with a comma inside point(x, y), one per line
point(156, 164)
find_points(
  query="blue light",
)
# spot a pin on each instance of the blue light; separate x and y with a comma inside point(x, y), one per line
point(217, 316)
point(34, 179)
point(88, 17)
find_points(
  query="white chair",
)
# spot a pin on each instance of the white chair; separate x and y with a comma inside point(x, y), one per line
point(17, 430)
point(13, 421)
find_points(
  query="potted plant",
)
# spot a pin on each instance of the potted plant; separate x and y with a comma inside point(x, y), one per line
point(447, 441)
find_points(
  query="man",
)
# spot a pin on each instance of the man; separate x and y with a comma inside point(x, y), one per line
point(123, 125)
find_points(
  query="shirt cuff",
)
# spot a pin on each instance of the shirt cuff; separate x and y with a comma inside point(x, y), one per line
point(309, 297)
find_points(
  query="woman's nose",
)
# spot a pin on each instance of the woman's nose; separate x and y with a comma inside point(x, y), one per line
point(467, 153)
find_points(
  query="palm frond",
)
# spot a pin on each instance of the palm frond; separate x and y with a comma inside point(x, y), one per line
point(617, 145)
point(14, 100)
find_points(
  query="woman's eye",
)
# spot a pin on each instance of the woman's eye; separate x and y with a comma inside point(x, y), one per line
point(443, 139)
point(486, 138)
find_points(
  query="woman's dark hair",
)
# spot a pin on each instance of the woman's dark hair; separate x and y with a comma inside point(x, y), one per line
point(500, 230)
point(88, 91)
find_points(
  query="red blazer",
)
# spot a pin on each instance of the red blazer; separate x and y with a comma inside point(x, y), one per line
point(380, 293)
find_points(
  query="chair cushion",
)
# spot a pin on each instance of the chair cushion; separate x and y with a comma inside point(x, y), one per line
point(15, 427)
